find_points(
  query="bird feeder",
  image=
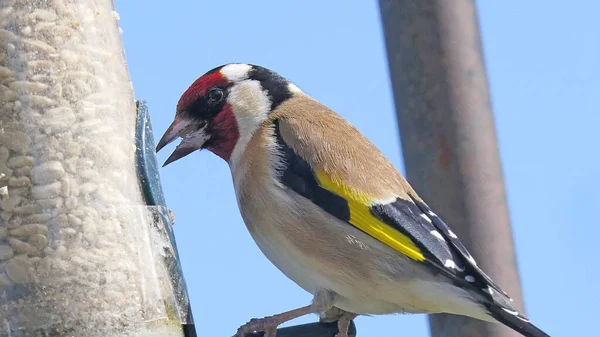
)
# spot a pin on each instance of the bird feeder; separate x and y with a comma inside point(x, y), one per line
point(86, 247)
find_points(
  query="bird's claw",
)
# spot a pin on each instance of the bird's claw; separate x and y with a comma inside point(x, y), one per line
point(268, 325)
point(344, 323)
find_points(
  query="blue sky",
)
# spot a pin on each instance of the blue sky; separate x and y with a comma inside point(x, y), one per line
point(543, 61)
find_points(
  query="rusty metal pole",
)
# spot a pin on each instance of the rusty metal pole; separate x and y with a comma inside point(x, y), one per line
point(448, 137)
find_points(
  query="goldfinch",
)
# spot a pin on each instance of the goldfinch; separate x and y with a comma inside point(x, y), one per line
point(328, 209)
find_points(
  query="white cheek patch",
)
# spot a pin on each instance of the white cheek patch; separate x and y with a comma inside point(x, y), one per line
point(236, 72)
point(251, 106)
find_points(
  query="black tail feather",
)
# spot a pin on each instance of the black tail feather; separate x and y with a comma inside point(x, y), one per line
point(515, 321)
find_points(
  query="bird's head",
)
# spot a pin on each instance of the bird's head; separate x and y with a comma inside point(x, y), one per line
point(222, 109)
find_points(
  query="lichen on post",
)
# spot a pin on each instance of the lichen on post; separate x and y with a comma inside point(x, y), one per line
point(77, 254)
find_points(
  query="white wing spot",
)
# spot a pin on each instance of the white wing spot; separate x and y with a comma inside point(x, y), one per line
point(516, 313)
point(452, 235)
point(382, 201)
point(236, 72)
point(450, 264)
point(424, 216)
point(431, 213)
point(437, 234)
point(489, 290)
point(512, 312)
point(470, 278)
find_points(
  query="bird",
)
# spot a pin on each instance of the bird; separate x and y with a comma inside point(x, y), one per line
point(328, 209)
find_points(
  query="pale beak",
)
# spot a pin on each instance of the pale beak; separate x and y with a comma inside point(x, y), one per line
point(194, 136)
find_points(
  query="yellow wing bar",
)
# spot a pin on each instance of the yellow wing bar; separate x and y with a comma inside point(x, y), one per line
point(361, 218)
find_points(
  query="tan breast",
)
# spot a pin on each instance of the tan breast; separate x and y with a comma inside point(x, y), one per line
point(302, 240)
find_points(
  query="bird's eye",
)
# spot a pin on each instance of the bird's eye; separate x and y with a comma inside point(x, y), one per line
point(214, 96)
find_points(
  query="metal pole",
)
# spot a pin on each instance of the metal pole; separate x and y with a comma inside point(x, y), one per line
point(448, 137)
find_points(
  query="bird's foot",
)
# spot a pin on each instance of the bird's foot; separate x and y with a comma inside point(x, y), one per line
point(269, 324)
point(344, 323)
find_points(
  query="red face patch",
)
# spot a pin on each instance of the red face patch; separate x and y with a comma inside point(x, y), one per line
point(225, 133)
point(199, 87)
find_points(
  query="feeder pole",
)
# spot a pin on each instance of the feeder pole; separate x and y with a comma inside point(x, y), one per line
point(448, 137)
